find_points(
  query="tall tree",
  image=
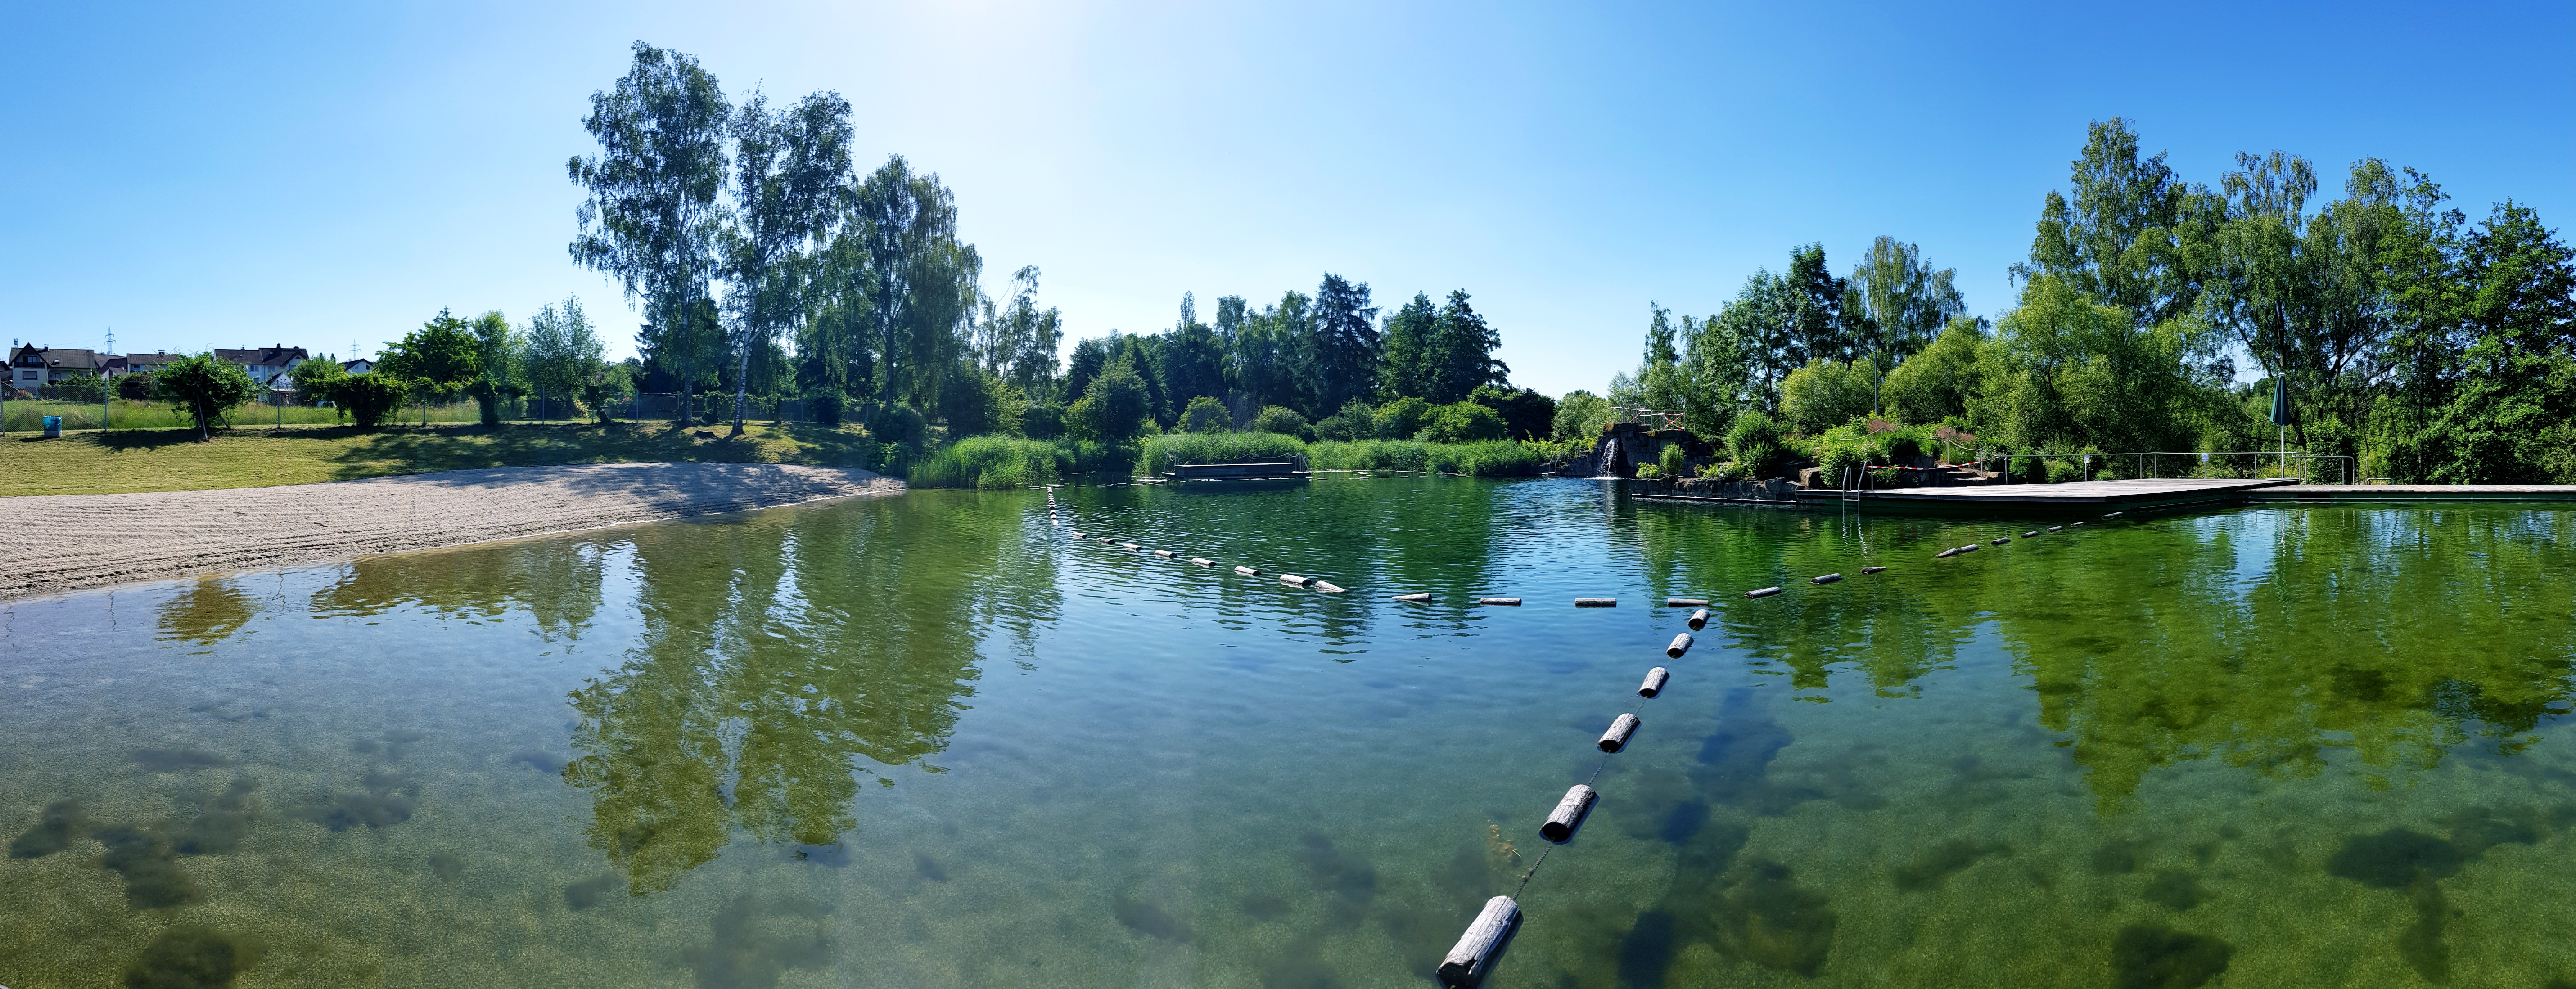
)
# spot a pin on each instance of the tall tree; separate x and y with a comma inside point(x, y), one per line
point(2128, 235)
point(1346, 343)
point(919, 280)
point(1822, 327)
point(563, 351)
point(1905, 302)
point(1193, 359)
point(1019, 342)
point(1272, 351)
point(652, 220)
point(1408, 369)
point(1463, 346)
point(791, 168)
point(498, 369)
point(435, 362)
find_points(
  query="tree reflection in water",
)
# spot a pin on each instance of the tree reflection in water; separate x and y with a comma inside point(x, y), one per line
point(210, 610)
point(783, 655)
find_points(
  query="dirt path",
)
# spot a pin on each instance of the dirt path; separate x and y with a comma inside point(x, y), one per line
point(67, 542)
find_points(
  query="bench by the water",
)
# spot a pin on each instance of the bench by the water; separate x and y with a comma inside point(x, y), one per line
point(1236, 472)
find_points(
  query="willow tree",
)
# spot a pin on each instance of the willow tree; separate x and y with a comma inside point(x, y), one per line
point(652, 220)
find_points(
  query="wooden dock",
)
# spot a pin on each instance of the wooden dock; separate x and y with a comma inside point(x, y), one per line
point(2102, 497)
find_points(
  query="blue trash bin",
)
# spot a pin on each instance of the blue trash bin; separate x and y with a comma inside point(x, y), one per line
point(53, 427)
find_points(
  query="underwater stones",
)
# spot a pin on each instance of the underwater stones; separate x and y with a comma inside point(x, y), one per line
point(835, 855)
point(2175, 890)
point(543, 762)
point(152, 876)
point(1767, 919)
point(590, 892)
point(2149, 957)
point(388, 800)
point(751, 946)
point(1935, 864)
point(190, 957)
point(63, 822)
point(1335, 870)
point(2394, 858)
point(1149, 920)
point(175, 760)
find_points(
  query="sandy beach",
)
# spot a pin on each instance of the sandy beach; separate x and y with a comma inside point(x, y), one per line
point(93, 540)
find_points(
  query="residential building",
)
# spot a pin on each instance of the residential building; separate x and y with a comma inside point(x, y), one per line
point(266, 363)
point(360, 366)
point(32, 367)
point(146, 363)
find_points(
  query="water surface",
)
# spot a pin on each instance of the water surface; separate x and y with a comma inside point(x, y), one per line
point(930, 740)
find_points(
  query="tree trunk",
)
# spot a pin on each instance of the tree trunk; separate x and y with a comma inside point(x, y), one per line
point(741, 387)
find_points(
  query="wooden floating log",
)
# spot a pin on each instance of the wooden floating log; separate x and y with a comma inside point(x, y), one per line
point(1102, 540)
point(1824, 578)
point(1762, 592)
point(1247, 571)
point(1681, 644)
point(1131, 546)
point(2000, 540)
point(1568, 814)
point(2031, 533)
point(2075, 523)
point(1685, 602)
point(1504, 602)
point(1077, 533)
point(1596, 602)
point(2055, 528)
point(1871, 570)
point(1946, 554)
point(1165, 553)
point(1620, 732)
point(1654, 682)
point(1969, 548)
point(2113, 515)
point(1290, 578)
point(1422, 598)
point(1473, 958)
point(1327, 588)
point(1699, 619)
point(1203, 561)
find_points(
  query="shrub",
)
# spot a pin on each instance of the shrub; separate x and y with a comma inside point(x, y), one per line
point(899, 424)
point(204, 386)
point(369, 398)
point(1463, 422)
point(975, 402)
point(1755, 442)
point(1824, 393)
point(1649, 472)
point(823, 404)
point(602, 389)
point(1114, 406)
point(1580, 417)
point(1281, 419)
point(1527, 415)
point(1354, 421)
point(2062, 470)
point(991, 463)
point(1675, 461)
point(135, 387)
point(1161, 452)
point(1042, 421)
point(1206, 415)
point(1490, 458)
point(1401, 419)
point(88, 389)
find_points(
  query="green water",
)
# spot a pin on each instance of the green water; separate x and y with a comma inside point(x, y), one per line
point(929, 740)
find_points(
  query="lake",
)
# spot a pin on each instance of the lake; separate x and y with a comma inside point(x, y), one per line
point(932, 740)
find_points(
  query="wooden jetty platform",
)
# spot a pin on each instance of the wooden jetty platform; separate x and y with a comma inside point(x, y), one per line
point(2080, 497)
point(1235, 472)
point(2415, 492)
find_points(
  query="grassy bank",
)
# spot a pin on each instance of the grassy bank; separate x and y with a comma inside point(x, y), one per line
point(994, 463)
point(175, 460)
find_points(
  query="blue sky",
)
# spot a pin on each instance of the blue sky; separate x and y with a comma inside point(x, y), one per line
point(197, 177)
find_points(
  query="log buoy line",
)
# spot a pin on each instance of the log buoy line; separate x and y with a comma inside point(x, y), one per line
point(1293, 580)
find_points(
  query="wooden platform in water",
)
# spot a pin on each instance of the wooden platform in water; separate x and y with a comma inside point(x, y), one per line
point(2416, 492)
point(2080, 496)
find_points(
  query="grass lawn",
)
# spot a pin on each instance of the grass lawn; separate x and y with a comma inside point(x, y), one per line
point(249, 456)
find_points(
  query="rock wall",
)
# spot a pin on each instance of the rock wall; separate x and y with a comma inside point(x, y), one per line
point(1776, 489)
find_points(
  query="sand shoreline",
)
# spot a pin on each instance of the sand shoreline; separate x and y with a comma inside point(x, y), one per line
point(72, 542)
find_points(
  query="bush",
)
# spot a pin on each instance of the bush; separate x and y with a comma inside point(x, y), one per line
point(1755, 442)
point(1355, 421)
point(204, 386)
point(1161, 452)
point(1042, 421)
point(1649, 472)
point(1463, 422)
point(135, 387)
point(1675, 461)
point(899, 424)
point(1114, 406)
point(1580, 417)
point(368, 398)
point(1401, 419)
point(1491, 458)
point(2062, 470)
point(1282, 420)
point(1206, 415)
point(88, 389)
point(1527, 415)
point(823, 404)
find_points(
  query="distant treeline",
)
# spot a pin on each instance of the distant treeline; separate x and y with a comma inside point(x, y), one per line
point(2428, 347)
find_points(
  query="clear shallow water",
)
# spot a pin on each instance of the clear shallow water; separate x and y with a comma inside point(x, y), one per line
point(929, 741)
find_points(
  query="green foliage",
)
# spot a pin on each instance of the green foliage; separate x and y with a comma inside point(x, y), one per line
point(2066, 371)
point(1401, 419)
point(498, 369)
point(1283, 420)
point(1938, 382)
point(1491, 458)
point(1649, 472)
point(368, 398)
point(1527, 415)
point(203, 386)
point(602, 389)
point(1823, 393)
point(135, 386)
point(1463, 422)
point(993, 463)
point(1755, 442)
point(1354, 421)
point(900, 425)
point(1206, 415)
point(1042, 421)
point(1161, 452)
point(437, 361)
point(976, 402)
point(1114, 407)
point(1581, 416)
point(1674, 462)
point(83, 388)
point(823, 404)
point(562, 351)
point(315, 380)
